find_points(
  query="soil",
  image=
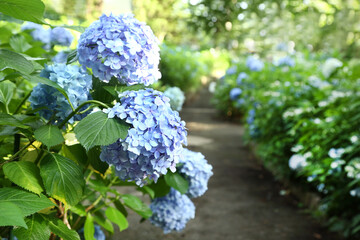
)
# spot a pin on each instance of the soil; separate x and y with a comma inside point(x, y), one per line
point(243, 201)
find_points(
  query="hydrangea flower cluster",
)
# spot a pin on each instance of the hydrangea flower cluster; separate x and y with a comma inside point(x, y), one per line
point(172, 212)
point(297, 161)
point(254, 64)
point(154, 141)
point(61, 36)
point(76, 83)
point(330, 65)
point(176, 96)
point(232, 70)
point(285, 61)
point(197, 171)
point(241, 77)
point(235, 93)
point(38, 33)
point(120, 47)
point(336, 153)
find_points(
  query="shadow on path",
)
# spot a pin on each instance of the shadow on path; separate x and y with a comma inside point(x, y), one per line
point(243, 200)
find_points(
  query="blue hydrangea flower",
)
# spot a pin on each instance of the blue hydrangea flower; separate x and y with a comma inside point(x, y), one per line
point(76, 83)
point(120, 47)
point(285, 61)
point(38, 33)
point(297, 161)
point(176, 96)
point(254, 64)
point(98, 234)
point(155, 138)
point(336, 153)
point(232, 70)
point(172, 212)
point(61, 57)
point(241, 77)
point(61, 36)
point(197, 171)
point(251, 116)
point(235, 93)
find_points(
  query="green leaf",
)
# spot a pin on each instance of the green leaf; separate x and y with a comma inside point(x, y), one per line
point(25, 174)
point(177, 182)
point(49, 135)
point(76, 153)
point(79, 210)
point(137, 205)
point(11, 215)
point(13, 60)
point(94, 159)
point(6, 92)
point(120, 207)
point(63, 179)
point(147, 190)
point(6, 119)
point(60, 229)
point(29, 203)
point(72, 57)
point(115, 90)
point(46, 81)
point(102, 221)
point(79, 29)
point(37, 229)
point(89, 229)
point(19, 43)
point(160, 188)
point(117, 217)
point(97, 129)
point(23, 9)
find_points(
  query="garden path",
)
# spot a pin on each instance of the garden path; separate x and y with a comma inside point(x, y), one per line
point(243, 200)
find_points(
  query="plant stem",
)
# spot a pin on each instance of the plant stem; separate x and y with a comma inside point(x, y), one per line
point(78, 108)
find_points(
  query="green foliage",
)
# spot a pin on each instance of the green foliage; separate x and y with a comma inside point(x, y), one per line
point(89, 229)
point(11, 215)
point(49, 135)
point(177, 182)
point(24, 174)
point(97, 129)
point(63, 179)
point(37, 229)
point(22, 9)
point(13, 60)
point(117, 217)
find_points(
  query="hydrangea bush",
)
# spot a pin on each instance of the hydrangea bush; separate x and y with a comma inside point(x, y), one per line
point(176, 96)
point(71, 138)
point(301, 112)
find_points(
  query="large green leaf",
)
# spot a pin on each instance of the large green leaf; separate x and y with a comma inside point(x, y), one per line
point(19, 43)
point(137, 205)
point(11, 215)
point(28, 10)
point(176, 181)
point(29, 203)
point(63, 179)
point(13, 60)
point(8, 120)
point(25, 174)
point(117, 217)
point(89, 229)
point(6, 92)
point(49, 135)
point(97, 129)
point(37, 229)
point(57, 226)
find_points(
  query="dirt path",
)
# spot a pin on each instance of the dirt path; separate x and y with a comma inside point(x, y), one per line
point(243, 200)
